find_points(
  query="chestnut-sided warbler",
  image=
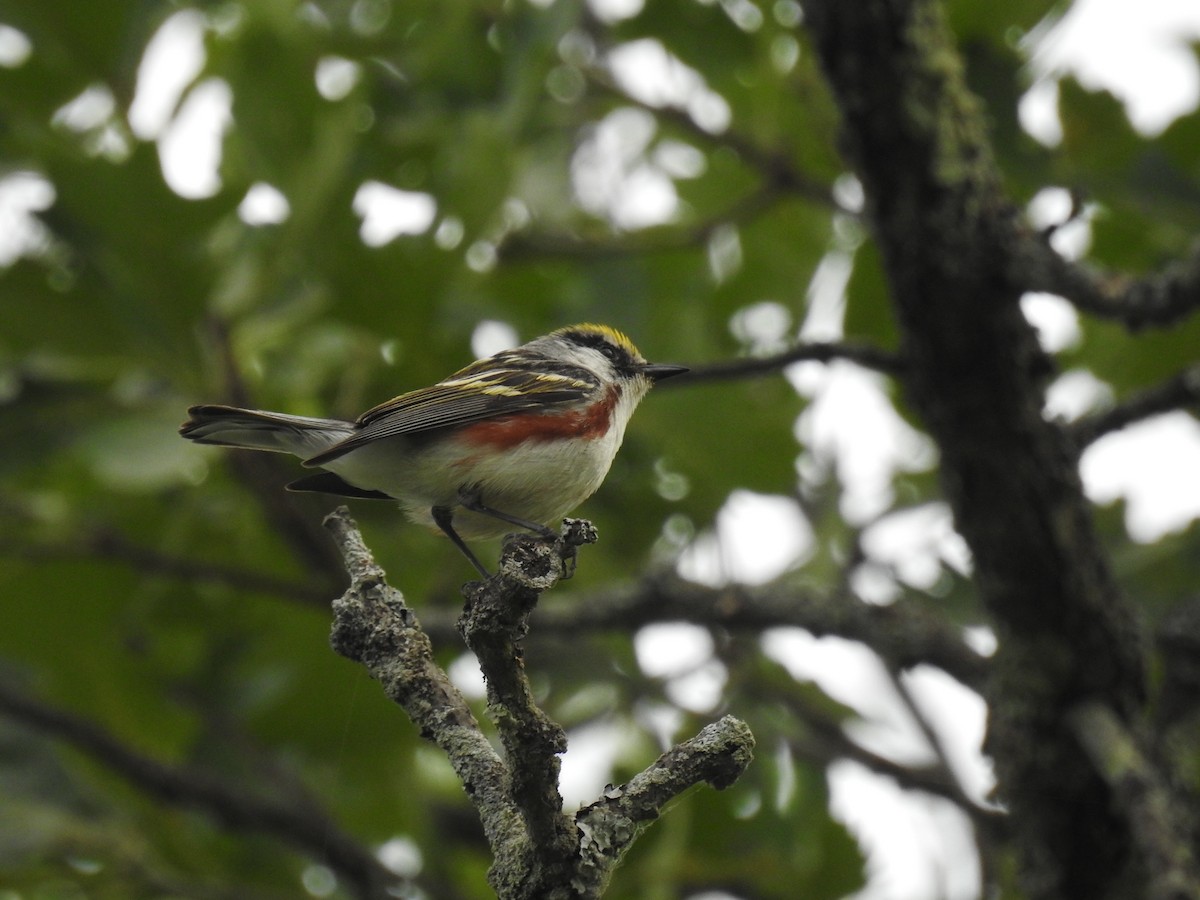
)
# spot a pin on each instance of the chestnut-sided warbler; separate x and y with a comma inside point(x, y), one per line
point(518, 439)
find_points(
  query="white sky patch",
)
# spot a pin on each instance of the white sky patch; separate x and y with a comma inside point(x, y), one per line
point(401, 855)
point(22, 194)
point(1054, 319)
point(1143, 57)
point(190, 148)
point(916, 543)
point(757, 538)
point(1052, 207)
point(188, 122)
point(826, 297)
point(1153, 466)
point(917, 846)
point(587, 766)
point(15, 47)
point(614, 178)
point(388, 212)
point(465, 674)
point(650, 73)
point(959, 716)
point(264, 204)
point(336, 77)
point(671, 649)
point(852, 674)
point(852, 423)
point(763, 328)
point(92, 116)
point(612, 11)
point(1075, 393)
point(682, 655)
point(491, 336)
point(89, 110)
point(173, 59)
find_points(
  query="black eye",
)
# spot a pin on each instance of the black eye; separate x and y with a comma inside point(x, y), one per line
point(609, 352)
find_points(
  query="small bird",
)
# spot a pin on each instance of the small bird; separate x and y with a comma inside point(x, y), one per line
point(518, 439)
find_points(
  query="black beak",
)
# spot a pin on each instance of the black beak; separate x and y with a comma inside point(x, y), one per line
point(656, 372)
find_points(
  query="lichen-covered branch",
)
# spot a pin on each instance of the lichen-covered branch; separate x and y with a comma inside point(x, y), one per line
point(717, 755)
point(539, 851)
point(373, 625)
point(493, 623)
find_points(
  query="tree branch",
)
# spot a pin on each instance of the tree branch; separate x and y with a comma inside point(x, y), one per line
point(1156, 300)
point(108, 545)
point(520, 246)
point(1179, 392)
point(307, 828)
point(902, 633)
point(717, 755)
point(865, 355)
point(948, 239)
point(539, 852)
point(372, 625)
point(495, 620)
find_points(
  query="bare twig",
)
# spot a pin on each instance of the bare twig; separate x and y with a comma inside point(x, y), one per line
point(774, 167)
point(540, 852)
point(1157, 300)
point(519, 246)
point(753, 367)
point(902, 633)
point(1179, 392)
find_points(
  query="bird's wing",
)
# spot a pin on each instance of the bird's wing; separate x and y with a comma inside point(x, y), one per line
point(483, 390)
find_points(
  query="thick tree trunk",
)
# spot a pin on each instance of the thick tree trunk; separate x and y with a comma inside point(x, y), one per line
point(916, 138)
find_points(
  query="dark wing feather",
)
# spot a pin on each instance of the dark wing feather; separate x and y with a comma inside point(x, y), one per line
point(483, 390)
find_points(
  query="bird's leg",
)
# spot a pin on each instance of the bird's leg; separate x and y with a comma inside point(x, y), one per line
point(442, 516)
point(469, 498)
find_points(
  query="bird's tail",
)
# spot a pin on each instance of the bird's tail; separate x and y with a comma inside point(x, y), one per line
point(255, 429)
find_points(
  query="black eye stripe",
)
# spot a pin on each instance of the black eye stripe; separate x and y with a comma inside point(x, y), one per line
point(618, 355)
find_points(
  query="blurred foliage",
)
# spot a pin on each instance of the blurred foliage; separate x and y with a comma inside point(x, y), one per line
point(128, 302)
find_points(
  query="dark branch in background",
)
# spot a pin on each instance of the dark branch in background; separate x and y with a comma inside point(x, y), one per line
point(108, 545)
point(902, 633)
point(262, 474)
point(776, 168)
point(235, 805)
point(780, 178)
point(1180, 392)
point(539, 852)
point(1157, 300)
point(822, 740)
point(521, 246)
point(865, 355)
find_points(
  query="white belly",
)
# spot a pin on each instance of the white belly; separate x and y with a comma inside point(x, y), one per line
point(540, 481)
